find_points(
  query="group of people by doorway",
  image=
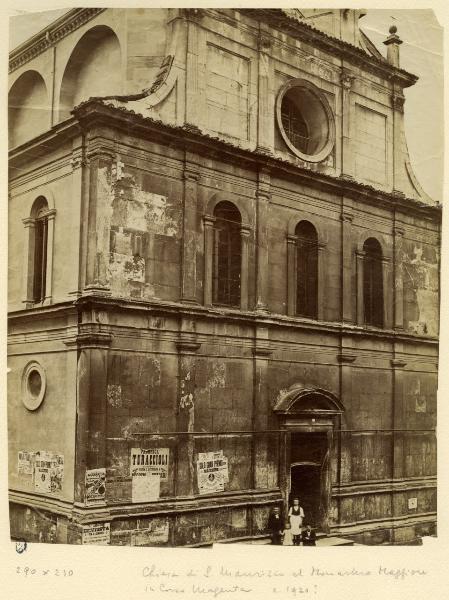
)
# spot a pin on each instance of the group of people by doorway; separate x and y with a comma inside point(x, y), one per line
point(293, 531)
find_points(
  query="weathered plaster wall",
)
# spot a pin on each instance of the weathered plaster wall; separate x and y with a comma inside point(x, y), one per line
point(421, 287)
point(51, 427)
point(61, 186)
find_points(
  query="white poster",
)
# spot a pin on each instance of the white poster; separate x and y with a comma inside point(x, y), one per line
point(95, 489)
point(145, 485)
point(97, 534)
point(25, 463)
point(42, 480)
point(212, 472)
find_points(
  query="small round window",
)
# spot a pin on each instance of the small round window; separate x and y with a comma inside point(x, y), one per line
point(305, 120)
point(34, 383)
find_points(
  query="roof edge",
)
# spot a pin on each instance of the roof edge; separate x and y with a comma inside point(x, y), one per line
point(47, 37)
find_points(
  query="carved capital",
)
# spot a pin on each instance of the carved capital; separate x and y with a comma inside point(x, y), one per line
point(265, 42)
point(191, 175)
point(194, 14)
point(346, 79)
point(398, 231)
point(347, 216)
point(94, 339)
point(397, 102)
point(263, 195)
point(100, 153)
point(188, 345)
point(208, 220)
point(346, 358)
point(29, 222)
point(77, 161)
point(262, 352)
point(398, 363)
point(245, 230)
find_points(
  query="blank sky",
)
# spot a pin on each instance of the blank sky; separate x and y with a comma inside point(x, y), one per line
point(421, 53)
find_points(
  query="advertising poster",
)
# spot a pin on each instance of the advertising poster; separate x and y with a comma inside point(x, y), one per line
point(147, 468)
point(48, 472)
point(212, 472)
point(98, 534)
point(95, 489)
point(25, 463)
point(42, 480)
point(145, 485)
point(154, 460)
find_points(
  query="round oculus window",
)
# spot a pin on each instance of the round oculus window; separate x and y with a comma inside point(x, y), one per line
point(305, 120)
point(34, 383)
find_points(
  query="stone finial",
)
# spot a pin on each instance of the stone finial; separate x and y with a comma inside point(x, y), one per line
point(393, 42)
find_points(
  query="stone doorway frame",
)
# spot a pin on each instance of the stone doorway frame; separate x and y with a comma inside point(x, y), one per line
point(308, 410)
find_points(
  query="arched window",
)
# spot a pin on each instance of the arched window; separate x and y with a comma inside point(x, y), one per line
point(306, 270)
point(39, 229)
point(227, 259)
point(40, 255)
point(40, 210)
point(373, 293)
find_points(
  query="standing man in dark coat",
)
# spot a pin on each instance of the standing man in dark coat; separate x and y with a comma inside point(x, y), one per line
point(308, 536)
point(275, 526)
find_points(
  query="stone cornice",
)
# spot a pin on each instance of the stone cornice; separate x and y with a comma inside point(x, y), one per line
point(352, 54)
point(52, 34)
point(178, 310)
point(94, 112)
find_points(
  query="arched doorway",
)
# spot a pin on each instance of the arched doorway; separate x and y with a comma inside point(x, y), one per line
point(309, 418)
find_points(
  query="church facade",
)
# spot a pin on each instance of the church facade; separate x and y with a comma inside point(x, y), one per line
point(223, 281)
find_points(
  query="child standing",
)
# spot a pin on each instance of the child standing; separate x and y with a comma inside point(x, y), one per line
point(296, 516)
point(288, 536)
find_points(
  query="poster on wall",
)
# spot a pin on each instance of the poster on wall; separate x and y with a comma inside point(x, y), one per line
point(148, 467)
point(98, 534)
point(212, 472)
point(42, 481)
point(155, 460)
point(95, 486)
point(25, 463)
point(48, 472)
point(145, 485)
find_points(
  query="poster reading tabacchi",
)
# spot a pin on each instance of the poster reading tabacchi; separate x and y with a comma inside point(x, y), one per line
point(212, 472)
point(48, 472)
point(147, 468)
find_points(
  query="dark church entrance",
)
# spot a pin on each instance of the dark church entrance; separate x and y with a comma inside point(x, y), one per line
point(307, 457)
point(309, 418)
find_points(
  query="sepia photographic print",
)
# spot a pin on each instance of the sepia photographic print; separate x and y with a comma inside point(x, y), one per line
point(223, 277)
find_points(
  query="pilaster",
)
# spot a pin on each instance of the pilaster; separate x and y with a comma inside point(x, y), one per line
point(189, 238)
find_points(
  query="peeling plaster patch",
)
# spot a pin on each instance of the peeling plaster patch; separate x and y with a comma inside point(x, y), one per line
point(282, 393)
point(114, 395)
point(420, 398)
point(131, 427)
point(218, 377)
point(130, 268)
point(423, 280)
point(155, 372)
point(186, 398)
